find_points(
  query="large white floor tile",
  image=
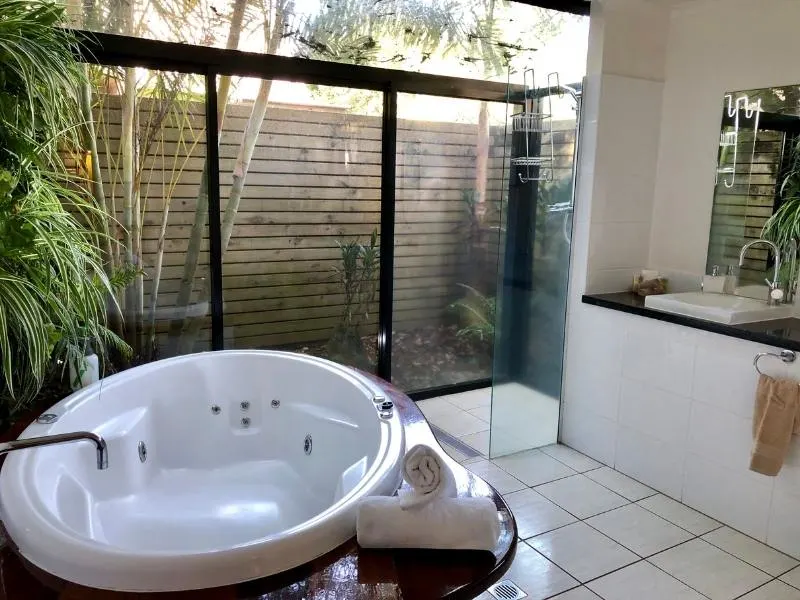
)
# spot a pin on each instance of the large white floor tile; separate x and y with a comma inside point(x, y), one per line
point(792, 577)
point(581, 496)
point(484, 413)
point(580, 593)
point(739, 498)
point(572, 458)
point(494, 476)
point(642, 581)
point(458, 423)
point(478, 441)
point(471, 399)
point(433, 406)
point(774, 590)
point(709, 570)
point(751, 551)
point(680, 514)
point(621, 484)
point(533, 467)
point(582, 552)
point(537, 576)
point(639, 530)
point(535, 514)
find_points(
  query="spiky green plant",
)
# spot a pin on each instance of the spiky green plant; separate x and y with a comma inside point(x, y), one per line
point(476, 314)
point(53, 289)
point(784, 225)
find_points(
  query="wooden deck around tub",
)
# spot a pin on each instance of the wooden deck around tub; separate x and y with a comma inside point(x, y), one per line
point(346, 573)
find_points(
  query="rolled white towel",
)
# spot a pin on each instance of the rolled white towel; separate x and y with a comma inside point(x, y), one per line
point(447, 524)
point(428, 475)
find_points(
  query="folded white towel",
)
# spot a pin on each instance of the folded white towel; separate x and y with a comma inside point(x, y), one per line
point(446, 524)
point(428, 476)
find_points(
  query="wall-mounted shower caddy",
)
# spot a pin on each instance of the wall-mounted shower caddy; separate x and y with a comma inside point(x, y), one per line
point(535, 122)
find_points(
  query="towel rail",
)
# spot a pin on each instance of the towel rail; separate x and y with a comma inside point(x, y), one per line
point(786, 356)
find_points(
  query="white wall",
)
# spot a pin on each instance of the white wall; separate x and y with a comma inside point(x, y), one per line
point(619, 151)
point(669, 405)
point(714, 46)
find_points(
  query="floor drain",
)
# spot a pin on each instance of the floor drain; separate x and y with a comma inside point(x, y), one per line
point(506, 590)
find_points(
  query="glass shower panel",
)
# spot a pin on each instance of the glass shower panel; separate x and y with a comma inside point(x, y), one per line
point(449, 180)
point(536, 228)
point(300, 192)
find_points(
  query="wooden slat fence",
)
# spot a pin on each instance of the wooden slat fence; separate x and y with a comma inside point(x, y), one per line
point(314, 180)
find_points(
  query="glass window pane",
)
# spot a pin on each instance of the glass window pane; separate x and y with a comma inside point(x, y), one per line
point(145, 150)
point(450, 179)
point(469, 39)
point(300, 194)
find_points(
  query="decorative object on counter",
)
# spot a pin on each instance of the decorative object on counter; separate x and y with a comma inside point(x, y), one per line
point(729, 287)
point(428, 476)
point(428, 515)
point(444, 524)
point(648, 283)
point(714, 283)
point(775, 419)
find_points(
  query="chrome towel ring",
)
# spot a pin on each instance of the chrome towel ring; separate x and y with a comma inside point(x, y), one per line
point(786, 356)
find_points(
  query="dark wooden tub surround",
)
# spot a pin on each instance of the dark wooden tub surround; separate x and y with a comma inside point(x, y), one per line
point(346, 573)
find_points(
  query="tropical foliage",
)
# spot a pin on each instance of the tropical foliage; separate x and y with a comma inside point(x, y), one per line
point(53, 287)
point(476, 315)
point(784, 225)
point(358, 277)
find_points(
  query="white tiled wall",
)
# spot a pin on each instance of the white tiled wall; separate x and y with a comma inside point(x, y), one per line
point(671, 406)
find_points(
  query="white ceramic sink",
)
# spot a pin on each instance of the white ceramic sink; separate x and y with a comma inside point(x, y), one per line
point(719, 308)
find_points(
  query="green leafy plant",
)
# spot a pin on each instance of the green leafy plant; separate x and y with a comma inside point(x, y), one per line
point(358, 277)
point(53, 289)
point(784, 225)
point(476, 314)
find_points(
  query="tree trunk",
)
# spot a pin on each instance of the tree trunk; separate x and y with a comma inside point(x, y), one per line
point(201, 202)
point(127, 148)
point(481, 160)
point(136, 232)
point(106, 246)
point(190, 329)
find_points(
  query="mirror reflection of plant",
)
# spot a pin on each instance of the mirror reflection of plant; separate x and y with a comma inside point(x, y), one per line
point(784, 225)
point(358, 278)
point(52, 286)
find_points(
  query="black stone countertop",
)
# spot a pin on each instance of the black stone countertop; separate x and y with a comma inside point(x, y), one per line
point(783, 333)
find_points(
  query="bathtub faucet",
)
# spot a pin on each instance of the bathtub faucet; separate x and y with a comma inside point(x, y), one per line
point(60, 438)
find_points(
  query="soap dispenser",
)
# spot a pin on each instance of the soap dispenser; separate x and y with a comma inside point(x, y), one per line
point(729, 286)
point(714, 283)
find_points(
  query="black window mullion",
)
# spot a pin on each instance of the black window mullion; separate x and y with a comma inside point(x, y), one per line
point(388, 189)
point(214, 224)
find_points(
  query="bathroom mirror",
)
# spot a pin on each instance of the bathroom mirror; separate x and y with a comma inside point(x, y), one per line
point(757, 176)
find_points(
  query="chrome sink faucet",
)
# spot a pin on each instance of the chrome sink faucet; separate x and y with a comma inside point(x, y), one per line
point(775, 283)
point(47, 440)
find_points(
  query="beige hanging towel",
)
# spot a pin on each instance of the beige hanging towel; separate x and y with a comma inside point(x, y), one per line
point(775, 419)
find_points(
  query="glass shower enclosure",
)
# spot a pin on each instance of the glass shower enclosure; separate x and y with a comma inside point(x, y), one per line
point(535, 238)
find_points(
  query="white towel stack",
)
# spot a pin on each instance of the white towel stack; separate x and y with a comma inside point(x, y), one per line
point(430, 516)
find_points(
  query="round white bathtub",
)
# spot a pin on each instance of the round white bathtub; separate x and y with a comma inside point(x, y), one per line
point(223, 467)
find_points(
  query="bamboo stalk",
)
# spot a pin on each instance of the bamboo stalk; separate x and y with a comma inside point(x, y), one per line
point(190, 329)
point(201, 202)
point(127, 148)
